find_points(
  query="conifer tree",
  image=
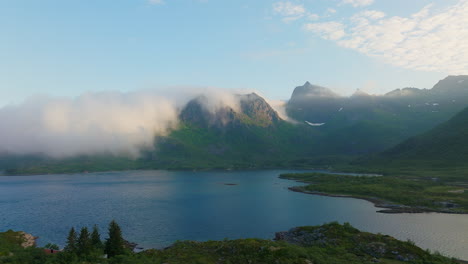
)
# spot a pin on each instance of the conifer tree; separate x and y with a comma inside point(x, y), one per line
point(84, 242)
point(115, 243)
point(71, 241)
point(96, 238)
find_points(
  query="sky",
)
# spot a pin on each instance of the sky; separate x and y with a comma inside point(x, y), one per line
point(68, 48)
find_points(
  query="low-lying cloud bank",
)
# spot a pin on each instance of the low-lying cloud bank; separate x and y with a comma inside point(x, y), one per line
point(93, 123)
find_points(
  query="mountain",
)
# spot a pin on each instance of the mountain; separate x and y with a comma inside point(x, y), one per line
point(251, 136)
point(446, 144)
point(249, 133)
point(363, 123)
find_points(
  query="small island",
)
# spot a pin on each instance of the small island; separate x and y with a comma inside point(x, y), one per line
point(394, 194)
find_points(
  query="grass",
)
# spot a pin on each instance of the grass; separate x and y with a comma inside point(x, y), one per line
point(406, 194)
point(326, 244)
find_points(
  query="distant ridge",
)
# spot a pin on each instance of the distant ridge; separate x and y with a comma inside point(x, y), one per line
point(246, 132)
point(446, 143)
point(309, 91)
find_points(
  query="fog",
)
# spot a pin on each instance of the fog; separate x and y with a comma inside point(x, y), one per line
point(103, 122)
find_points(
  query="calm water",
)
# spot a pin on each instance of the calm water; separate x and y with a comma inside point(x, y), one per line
point(156, 208)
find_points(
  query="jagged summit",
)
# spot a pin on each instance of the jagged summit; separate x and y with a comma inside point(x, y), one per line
point(409, 91)
point(253, 109)
point(308, 91)
point(360, 93)
point(452, 83)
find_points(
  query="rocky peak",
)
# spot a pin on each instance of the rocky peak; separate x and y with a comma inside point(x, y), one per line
point(452, 83)
point(404, 92)
point(253, 110)
point(196, 113)
point(308, 91)
point(360, 93)
point(256, 108)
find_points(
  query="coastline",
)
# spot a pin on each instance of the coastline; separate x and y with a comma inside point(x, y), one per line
point(379, 203)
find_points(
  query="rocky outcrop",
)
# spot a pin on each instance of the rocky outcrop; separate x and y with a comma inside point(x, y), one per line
point(28, 239)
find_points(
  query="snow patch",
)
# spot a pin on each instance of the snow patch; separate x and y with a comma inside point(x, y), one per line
point(314, 124)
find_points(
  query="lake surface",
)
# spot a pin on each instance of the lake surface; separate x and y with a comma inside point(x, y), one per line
point(156, 208)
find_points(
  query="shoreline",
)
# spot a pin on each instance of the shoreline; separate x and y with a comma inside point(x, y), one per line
point(389, 208)
point(170, 169)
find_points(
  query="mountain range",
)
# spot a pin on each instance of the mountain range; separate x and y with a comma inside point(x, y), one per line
point(326, 129)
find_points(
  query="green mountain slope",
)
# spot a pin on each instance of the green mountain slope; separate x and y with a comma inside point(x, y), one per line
point(331, 130)
point(440, 153)
point(445, 144)
point(362, 124)
point(253, 136)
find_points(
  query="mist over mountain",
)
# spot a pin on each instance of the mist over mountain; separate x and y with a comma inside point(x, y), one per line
point(214, 129)
point(364, 123)
point(445, 144)
point(253, 135)
point(99, 123)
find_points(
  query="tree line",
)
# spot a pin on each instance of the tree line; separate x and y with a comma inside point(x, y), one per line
point(87, 246)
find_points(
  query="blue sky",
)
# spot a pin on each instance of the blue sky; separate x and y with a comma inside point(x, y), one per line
point(66, 48)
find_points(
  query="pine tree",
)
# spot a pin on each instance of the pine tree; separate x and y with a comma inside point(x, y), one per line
point(84, 242)
point(96, 238)
point(115, 243)
point(71, 241)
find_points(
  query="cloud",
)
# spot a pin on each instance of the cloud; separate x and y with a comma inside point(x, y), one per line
point(106, 122)
point(313, 17)
point(289, 10)
point(328, 30)
point(358, 3)
point(156, 2)
point(331, 11)
point(95, 123)
point(369, 14)
point(426, 40)
point(89, 124)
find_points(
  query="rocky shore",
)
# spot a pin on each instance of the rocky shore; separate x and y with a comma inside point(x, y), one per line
point(28, 239)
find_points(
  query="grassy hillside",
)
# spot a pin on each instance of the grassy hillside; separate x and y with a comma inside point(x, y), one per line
point(364, 124)
point(399, 195)
point(439, 153)
point(252, 135)
point(330, 243)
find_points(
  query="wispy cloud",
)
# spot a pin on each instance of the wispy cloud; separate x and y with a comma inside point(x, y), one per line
point(96, 123)
point(328, 30)
point(426, 40)
point(156, 2)
point(358, 3)
point(289, 10)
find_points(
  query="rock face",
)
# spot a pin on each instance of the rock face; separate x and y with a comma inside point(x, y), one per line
point(452, 83)
point(197, 112)
point(308, 91)
point(361, 243)
point(362, 123)
point(301, 237)
point(253, 110)
point(28, 239)
point(256, 108)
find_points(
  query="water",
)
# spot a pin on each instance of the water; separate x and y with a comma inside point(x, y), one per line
point(156, 208)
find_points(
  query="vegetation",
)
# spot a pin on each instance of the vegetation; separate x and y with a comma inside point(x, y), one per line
point(115, 243)
point(330, 243)
point(255, 137)
point(398, 194)
point(441, 152)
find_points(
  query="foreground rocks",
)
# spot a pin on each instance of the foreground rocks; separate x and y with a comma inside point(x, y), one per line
point(28, 239)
